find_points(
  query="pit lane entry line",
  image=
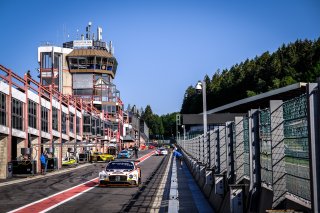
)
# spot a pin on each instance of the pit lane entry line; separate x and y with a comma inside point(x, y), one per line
point(59, 198)
point(158, 199)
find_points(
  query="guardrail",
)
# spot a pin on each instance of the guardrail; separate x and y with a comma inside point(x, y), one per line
point(265, 160)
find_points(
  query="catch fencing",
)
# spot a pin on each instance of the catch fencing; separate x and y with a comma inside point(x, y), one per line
point(269, 147)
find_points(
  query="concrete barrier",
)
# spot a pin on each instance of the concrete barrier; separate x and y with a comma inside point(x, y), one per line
point(207, 188)
point(202, 176)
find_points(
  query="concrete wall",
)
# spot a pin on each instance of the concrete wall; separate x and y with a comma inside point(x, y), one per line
point(36, 152)
point(3, 157)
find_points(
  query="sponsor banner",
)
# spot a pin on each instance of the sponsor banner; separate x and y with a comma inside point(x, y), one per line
point(82, 43)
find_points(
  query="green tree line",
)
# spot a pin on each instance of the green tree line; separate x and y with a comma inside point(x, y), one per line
point(160, 127)
point(292, 63)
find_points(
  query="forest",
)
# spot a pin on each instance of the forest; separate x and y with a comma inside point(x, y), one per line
point(292, 63)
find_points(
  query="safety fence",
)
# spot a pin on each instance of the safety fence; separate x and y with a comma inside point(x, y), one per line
point(267, 148)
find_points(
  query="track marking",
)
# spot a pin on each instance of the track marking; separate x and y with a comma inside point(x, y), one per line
point(62, 197)
point(157, 201)
point(57, 198)
point(173, 206)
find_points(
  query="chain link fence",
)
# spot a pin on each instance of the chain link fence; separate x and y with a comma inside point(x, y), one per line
point(296, 147)
point(284, 162)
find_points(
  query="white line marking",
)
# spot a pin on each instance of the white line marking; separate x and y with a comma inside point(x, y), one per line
point(38, 201)
point(58, 193)
point(70, 198)
point(157, 201)
point(174, 193)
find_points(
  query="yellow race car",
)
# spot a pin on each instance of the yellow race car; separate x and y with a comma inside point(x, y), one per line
point(69, 161)
point(99, 156)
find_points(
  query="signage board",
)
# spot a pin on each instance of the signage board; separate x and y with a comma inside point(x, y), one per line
point(82, 43)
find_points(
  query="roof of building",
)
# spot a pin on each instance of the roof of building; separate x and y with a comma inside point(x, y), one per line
point(218, 118)
point(90, 52)
point(262, 100)
point(229, 111)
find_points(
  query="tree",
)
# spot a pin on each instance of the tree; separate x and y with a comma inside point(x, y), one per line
point(291, 63)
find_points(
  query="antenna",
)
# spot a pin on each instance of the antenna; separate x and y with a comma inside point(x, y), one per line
point(88, 29)
point(99, 34)
point(111, 48)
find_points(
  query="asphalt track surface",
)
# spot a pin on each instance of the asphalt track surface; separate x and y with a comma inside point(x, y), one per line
point(93, 199)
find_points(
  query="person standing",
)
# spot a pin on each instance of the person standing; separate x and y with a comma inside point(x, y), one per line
point(179, 157)
point(44, 161)
point(136, 151)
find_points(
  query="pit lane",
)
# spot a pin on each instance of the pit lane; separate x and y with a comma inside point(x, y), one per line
point(97, 199)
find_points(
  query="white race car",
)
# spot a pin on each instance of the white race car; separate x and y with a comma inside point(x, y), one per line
point(161, 151)
point(120, 173)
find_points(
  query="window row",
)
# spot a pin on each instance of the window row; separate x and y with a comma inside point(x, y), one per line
point(92, 63)
point(94, 126)
point(17, 116)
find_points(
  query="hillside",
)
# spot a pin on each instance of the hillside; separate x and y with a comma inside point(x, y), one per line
point(291, 63)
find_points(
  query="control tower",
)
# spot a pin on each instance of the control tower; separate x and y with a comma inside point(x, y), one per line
point(85, 68)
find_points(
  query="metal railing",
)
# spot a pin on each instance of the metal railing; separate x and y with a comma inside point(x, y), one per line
point(283, 149)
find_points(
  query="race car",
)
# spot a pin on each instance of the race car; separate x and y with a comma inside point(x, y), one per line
point(124, 173)
point(99, 156)
point(161, 151)
point(69, 161)
point(124, 154)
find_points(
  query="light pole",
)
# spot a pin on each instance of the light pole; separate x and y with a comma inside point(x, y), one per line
point(184, 135)
point(202, 86)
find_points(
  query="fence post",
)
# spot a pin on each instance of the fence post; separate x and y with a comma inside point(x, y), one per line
point(199, 150)
point(212, 148)
point(230, 160)
point(217, 153)
point(208, 150)
point(239, 149)
point(223, 149)
point(255, 168)
point(314, 144)
point(278, 154)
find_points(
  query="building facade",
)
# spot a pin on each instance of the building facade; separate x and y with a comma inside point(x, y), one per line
point(34, 118)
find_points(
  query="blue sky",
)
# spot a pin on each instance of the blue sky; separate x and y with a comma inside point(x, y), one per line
point(162, 47)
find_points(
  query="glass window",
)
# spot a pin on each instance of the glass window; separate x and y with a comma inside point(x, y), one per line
point(86, 124)
point(73, 63)
point(82, 63)
point(46, 61)
point(44, 119)
point(63, 122)
point(3, 109)
point(55, 119)
point(56, 60)
point(98, 63)
point(71, 122)
point(93, 126)
point(32, 111)
point(17, 114)
point(46, 81)
point(78, 125)
point(98, 122)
